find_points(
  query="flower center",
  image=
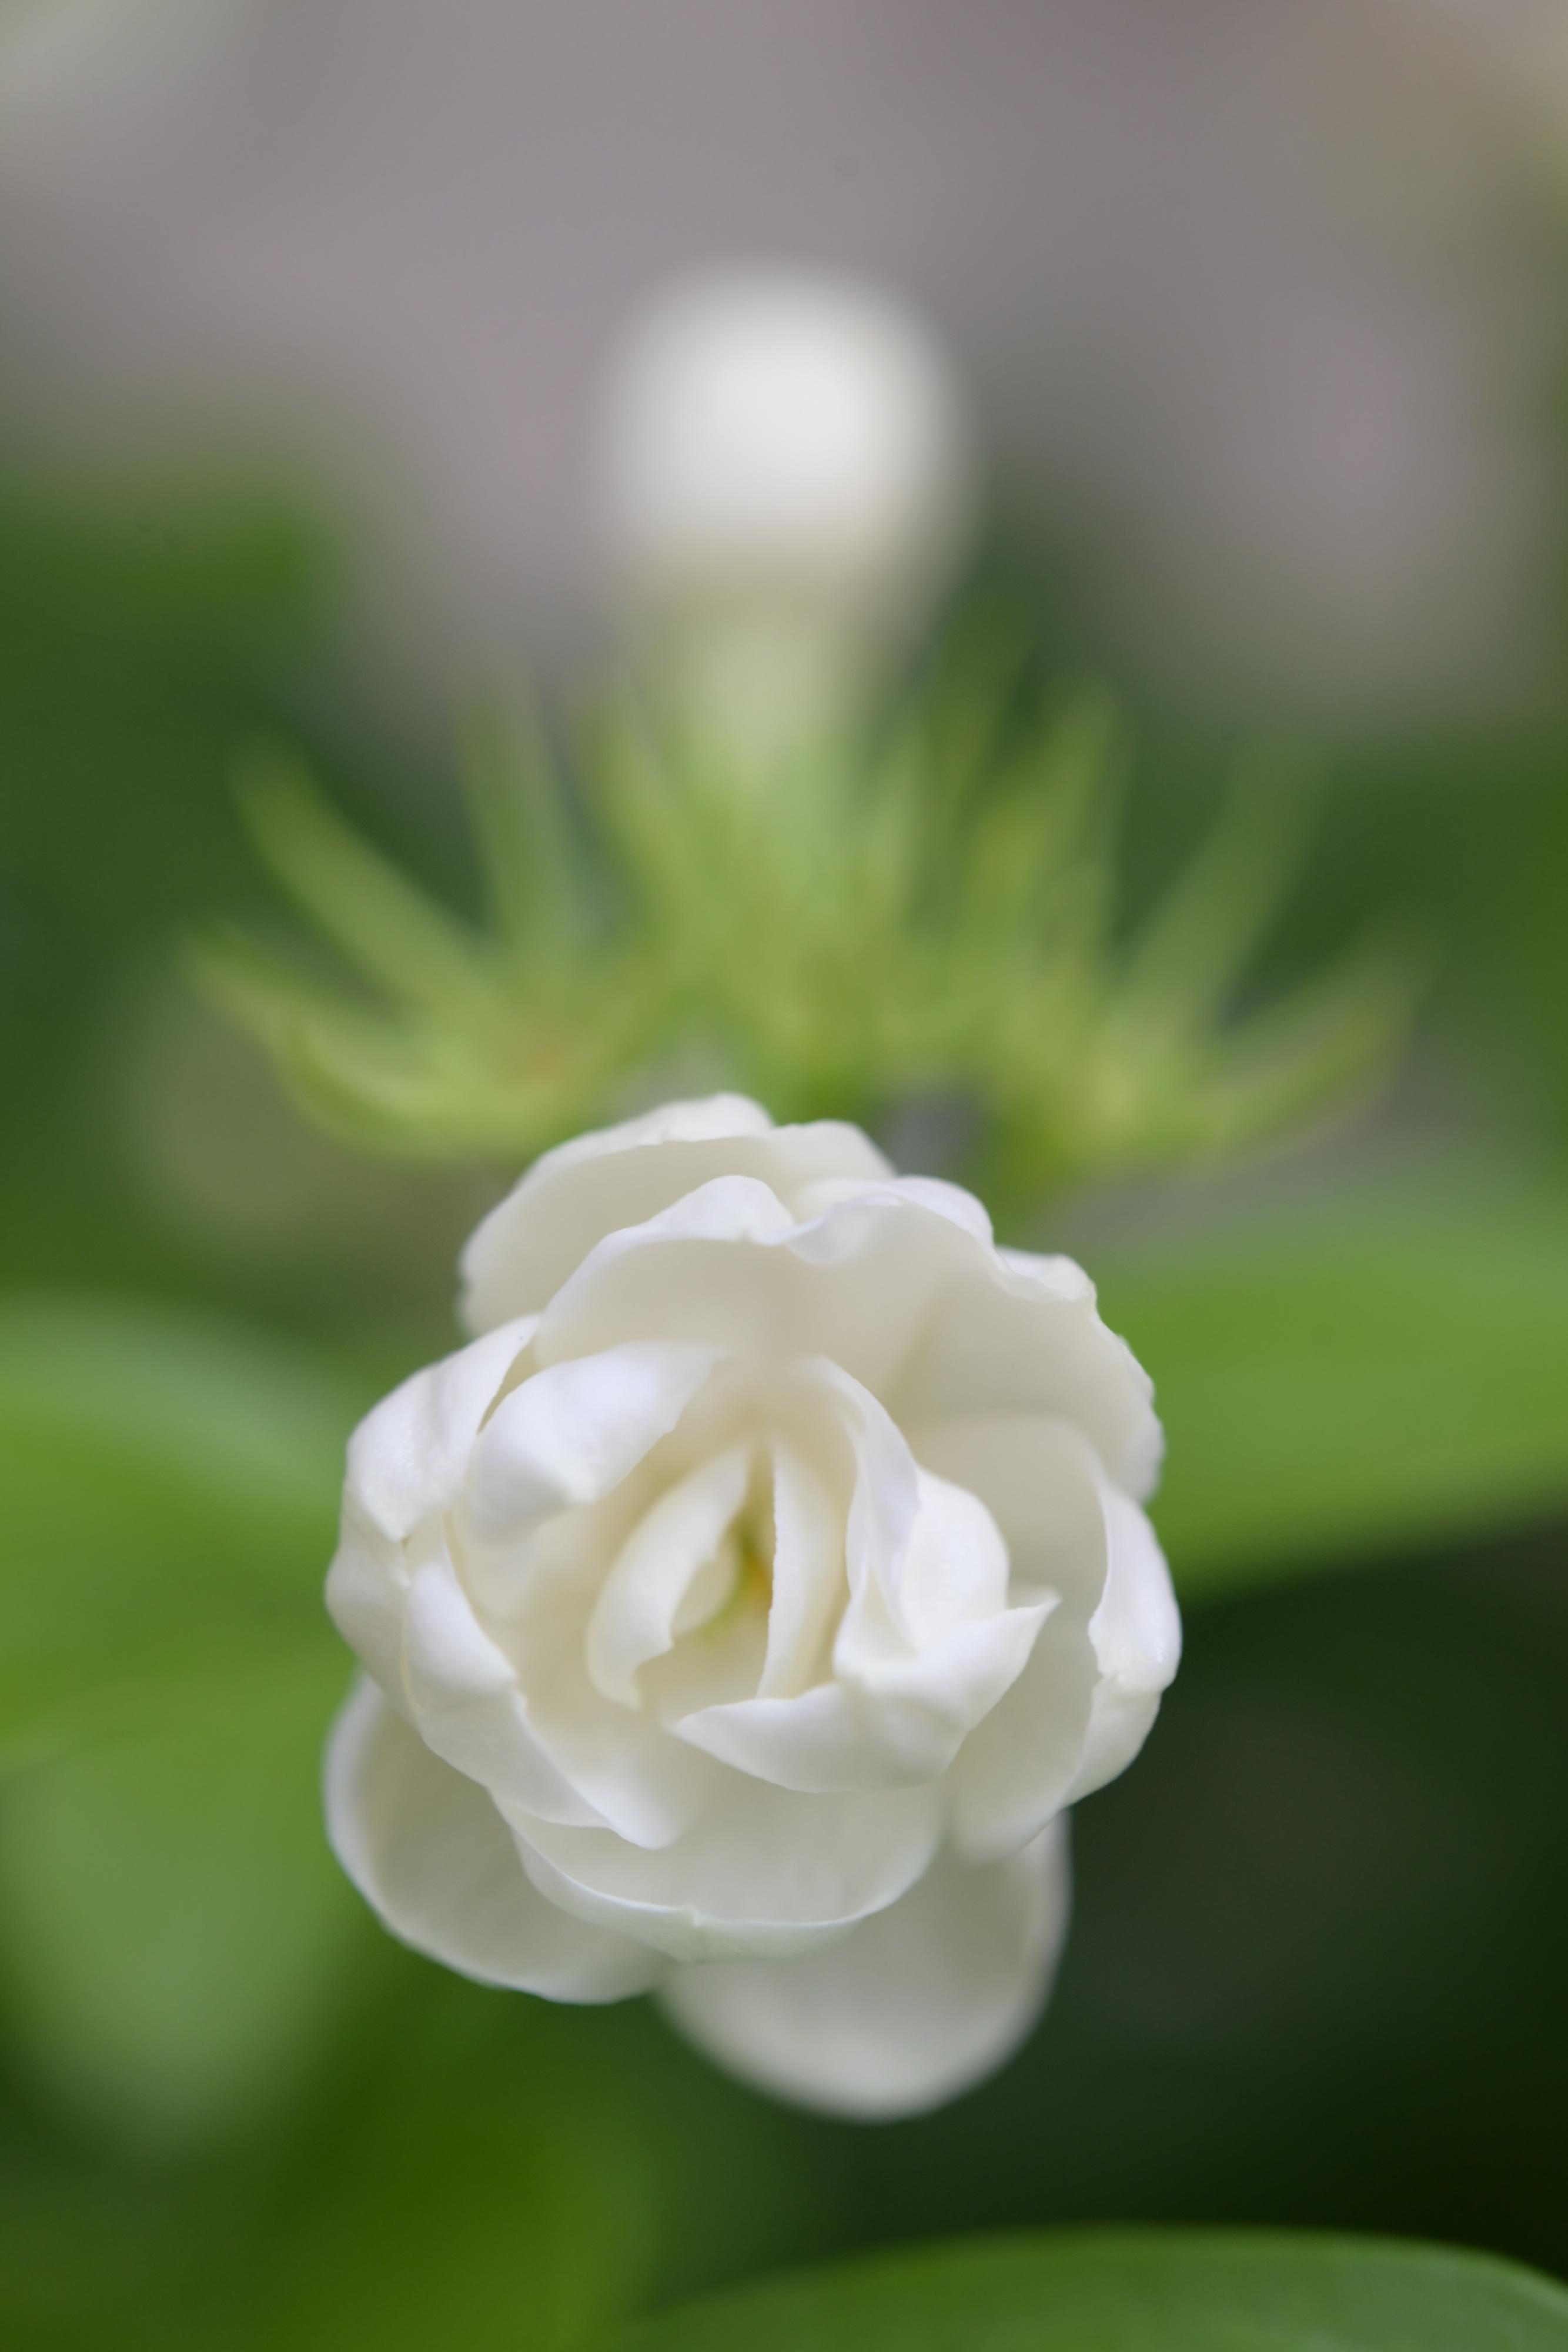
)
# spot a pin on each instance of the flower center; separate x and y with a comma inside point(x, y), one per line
point(695, 1577)
point(745, 1562)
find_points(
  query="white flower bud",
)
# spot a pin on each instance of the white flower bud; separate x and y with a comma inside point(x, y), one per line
point(788, 476)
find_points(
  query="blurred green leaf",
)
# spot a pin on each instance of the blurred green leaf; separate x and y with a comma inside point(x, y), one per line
point(1360, 1380)
point(398, 935)
point(531, 865)
point(175, 1936)
point(1136, 2291)
point(171, 1487)
point(454, 1040)
point(172, 1930)
point(475, 2169)
point(144, 630)
point(509, 2173)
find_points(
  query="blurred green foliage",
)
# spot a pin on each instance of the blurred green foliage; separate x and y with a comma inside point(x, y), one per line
point(171, 1489)
point(1321, 1938)
point(841, 929)
point(146, 635)
point(133, 650)
point(174, 1940)
point(1245, 2028)
point(178, 1943)
point(1385, 1369)
point(1121, 2291)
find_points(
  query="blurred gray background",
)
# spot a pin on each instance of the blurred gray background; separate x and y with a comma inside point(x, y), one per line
point(1240, 288)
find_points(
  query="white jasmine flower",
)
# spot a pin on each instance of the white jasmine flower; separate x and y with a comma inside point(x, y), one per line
point(787, 478)
point(744, 1606)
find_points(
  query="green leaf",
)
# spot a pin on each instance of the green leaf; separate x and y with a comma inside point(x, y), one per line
point(531, 868)
point(1386, 1373)
point(175, 1937)
point(1136, 2291)
point(171, 1485)
point(1200, 939)
point(396, 933)
point(173, 1932)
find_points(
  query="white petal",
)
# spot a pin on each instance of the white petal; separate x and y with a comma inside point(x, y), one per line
point(934, 1192)
point(463, 1699)
point(704, 1118)
point(1020, 1335)
point(626, 1770)
point(762, 1873)
point(896, 1725)
point(863, 1284)
point(407, 1458)
point(596, 1184)
point(641, 1602)
point(1041, 1481)
point(1015, 1770)
point(571, 1433)
point(407, 1461)
point(955, 1571)
point(1063, 1277)
point(913, 1672)
point(1083, 1705)
point(367, 1596)
point(1137, 1634)
point(808, 1573)
point(884, 1497)
point(429, 1852)
point(915, 2006)
point(921, 1554)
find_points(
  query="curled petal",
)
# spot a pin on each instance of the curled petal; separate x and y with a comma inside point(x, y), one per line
point(367, 1596)
point(909, 1301)
point(955, 1567)
point(763, 1872)
point(1085, 1702)
point(596, 1185)
point(926, 1648)
point(660, 1570)
point(731, 1265)
point(934, 1192)
point(898, 1724)
point(1021, 1335)
point(464, 1698)
point(431, 1854)
point(409, 1457)
point(629, 1775)
point(571, 1433)
point(885, 1497)
point(914, 2006)
point(1136, 1634)
point(407, 1463)
point(808, 1572)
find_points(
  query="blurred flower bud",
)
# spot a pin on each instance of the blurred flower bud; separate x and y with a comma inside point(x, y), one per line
point(788, 482)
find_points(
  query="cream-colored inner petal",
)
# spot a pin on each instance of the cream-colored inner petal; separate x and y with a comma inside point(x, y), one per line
point(683, 1565)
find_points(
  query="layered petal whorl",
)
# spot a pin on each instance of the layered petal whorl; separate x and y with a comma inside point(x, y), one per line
point(744, 1604)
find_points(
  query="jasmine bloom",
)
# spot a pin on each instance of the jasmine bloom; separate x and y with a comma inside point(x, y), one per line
point(744, 1606)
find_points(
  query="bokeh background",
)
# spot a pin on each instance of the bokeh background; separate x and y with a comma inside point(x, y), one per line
point(306, 315)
